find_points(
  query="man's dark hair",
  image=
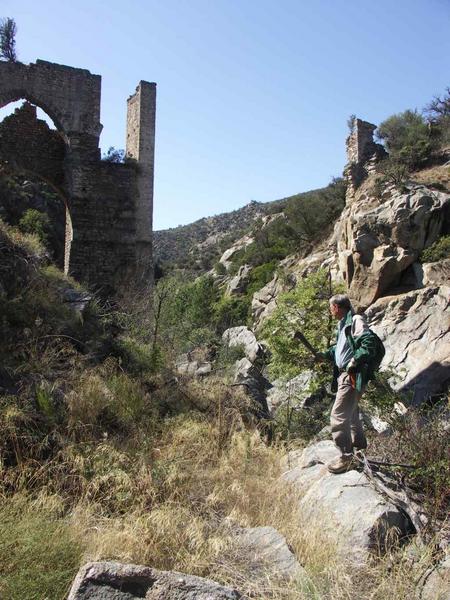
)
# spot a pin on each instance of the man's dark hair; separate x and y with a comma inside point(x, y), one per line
point(341, 300)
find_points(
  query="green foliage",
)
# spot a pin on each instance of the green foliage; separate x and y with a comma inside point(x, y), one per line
point(306, 309)
point(307, 217)
point(8, 30)
point(137, 357)
point(39, 553)
point(407, 138)
point(392, 171)
point(230, 311)
point(184, 313)
point(311, 215)
point(259, 276)
point(437, 251)
point(36, 223)
point(220, 268)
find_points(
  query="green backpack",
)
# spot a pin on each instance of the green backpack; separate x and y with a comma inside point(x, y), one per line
point(378, 356)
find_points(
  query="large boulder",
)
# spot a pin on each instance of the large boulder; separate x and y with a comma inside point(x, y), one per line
point(238, 283)
point(379, 239)
point(296, 392)
point(345, 506)
point(415, 328)
point(436, 584)
point(267, 555)
point(116, 581)
point(242, 336)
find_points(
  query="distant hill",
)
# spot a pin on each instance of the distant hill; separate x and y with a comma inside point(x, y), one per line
point(200, 244)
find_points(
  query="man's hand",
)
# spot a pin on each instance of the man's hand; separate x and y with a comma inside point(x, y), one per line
point(351, 366)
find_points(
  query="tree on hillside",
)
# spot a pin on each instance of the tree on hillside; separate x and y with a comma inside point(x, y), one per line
point(8, 30)
point(407, 138)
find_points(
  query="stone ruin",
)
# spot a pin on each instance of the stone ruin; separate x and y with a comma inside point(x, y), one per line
point(362, 154)
point(108, 239)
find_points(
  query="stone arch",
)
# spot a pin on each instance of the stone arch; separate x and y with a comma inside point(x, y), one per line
point(110, 204)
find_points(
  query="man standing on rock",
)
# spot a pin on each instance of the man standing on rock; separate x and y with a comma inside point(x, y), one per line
point(352, 355)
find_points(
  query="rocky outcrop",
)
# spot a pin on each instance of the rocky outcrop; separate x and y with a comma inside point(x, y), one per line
point(295, 391)
point(416, 330)
point(194, 363)
point(242, 336)
point(226, 257)
point(238, 283)
point(378, 241)
point(264, 301)
point(116, 581)
point(436, 273)
point(346, 506)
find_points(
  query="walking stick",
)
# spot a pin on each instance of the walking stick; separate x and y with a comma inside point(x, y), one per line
point(298, 335)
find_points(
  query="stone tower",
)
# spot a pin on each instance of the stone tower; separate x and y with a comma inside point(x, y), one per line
point(141, 148)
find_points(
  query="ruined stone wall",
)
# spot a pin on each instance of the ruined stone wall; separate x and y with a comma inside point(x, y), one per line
point(362, 155)
point(109, 229)
point(27, 142)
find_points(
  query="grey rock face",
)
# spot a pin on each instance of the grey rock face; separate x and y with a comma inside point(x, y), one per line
point(242, 336)
point(254, 383)
point(415, 328)
point(267, 554)
point(437, 273)
point(116, 581)
point(377, 242)
point(185, 365)
point(226, 257)
point(295, 391)
point(437, 583)
point(239, 282)
point(345, 505)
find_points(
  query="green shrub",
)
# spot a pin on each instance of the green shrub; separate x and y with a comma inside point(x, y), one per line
point(37, 223)
point(407, 138)
point(230, 311)
point(306, 309)
point(259, 276)
point(437, 251)
point(137, 357)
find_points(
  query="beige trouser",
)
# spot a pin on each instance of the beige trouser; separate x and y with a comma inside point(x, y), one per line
point(346, 425)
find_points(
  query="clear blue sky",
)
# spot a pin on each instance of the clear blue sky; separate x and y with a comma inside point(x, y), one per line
point(253, 95)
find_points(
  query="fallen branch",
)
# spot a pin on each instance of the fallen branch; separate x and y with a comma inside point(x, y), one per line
point(400, 499)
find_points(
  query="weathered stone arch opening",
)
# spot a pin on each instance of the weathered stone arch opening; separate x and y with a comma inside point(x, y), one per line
point(31, 149)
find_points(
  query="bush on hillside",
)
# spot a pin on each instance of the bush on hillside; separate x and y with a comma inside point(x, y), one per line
point(437, 251)
point(407, 138)
point(305, 309)
point(307, 218)
point(35, 222)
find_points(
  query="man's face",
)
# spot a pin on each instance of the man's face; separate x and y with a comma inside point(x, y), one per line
point(336, 311)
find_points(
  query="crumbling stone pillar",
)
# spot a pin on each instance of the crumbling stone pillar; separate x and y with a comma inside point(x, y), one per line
point(362, 155)
point(141, 148)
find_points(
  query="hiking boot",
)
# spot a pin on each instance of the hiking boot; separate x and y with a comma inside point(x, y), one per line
point(341, 464)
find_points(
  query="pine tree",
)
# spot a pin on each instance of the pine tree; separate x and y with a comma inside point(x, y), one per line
point(8, 30)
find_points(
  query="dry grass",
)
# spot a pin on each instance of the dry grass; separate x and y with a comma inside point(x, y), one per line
point(439, 175)
point(173, 509)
